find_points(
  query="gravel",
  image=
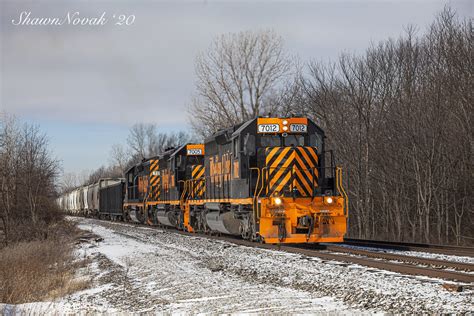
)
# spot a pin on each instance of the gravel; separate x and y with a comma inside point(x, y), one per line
point(140, 269)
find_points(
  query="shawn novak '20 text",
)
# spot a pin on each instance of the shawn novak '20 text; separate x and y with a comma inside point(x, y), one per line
point(74, 18)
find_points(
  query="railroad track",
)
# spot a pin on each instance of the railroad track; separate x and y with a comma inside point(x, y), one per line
point(405, 246)
point(372, 262)
point(377, 260)
point(436, 263)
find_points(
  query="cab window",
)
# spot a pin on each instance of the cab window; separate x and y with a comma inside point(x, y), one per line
point(270, 141)
point(315, 140)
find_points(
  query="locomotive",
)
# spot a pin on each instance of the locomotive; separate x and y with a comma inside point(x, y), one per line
point(268, 180)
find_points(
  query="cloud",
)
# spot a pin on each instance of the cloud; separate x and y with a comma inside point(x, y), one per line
point(116, 74)
point(119, 75)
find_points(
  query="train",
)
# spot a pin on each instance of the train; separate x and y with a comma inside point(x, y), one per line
point(268, 180)
point(102, 199)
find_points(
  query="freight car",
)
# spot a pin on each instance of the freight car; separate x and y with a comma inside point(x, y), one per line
point(268, 180)
point(86, 200)
point(111, 200)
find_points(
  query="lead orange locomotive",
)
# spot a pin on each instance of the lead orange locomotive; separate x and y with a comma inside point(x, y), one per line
point(267, 180)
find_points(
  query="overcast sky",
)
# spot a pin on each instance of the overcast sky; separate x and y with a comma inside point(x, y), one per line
point(86, 85)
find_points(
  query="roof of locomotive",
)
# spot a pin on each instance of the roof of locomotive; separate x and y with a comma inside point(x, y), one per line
point(236, 130)
point(177, 150)
point(168, 152)
point(230, 130)
point(241, 128)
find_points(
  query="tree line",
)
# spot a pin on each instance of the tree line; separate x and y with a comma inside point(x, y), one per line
point(399, 118)
point(28, 173)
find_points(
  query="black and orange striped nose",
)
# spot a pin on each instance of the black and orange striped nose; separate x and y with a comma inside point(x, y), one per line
point(290, 169)
point(155, 181)
point(199, 187)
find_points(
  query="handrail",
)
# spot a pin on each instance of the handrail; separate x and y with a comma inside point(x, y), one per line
point(181, 199)
point(260, 192)
point(258, 179)
point(145, 209)
point(341, 190)
point(263, 179)
point(255, 197)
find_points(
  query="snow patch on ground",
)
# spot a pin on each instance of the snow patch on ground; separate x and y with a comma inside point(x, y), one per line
point(139, 269)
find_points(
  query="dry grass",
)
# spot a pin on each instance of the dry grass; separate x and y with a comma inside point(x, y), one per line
point(39, 270)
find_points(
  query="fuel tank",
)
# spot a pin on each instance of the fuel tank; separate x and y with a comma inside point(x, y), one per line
point(223, 222)
point(133, 216)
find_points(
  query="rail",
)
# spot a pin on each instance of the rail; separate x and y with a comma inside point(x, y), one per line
point(407, 246)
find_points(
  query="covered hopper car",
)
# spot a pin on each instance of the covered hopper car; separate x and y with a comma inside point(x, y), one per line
point(87, 201)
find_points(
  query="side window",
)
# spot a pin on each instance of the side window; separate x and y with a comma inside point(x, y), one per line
point(301, 140)
point(315, 141)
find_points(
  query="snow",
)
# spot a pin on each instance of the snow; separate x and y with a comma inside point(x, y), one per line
point(139, 269)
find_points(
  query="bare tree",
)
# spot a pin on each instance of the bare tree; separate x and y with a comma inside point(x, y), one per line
point(119, 157)
point(28, 174)
point(140, 137)
point(144, 141)
point(105, 172)
point(400, 119)
point(69, 181)
point(234, 77)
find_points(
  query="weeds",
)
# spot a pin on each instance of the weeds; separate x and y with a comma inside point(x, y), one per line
point(38, 270)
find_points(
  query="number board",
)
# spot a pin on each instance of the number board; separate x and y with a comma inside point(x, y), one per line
point(298, 128)
point(194, 152)
point(268, 128)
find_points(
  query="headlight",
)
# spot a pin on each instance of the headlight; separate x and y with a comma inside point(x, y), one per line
point(277, 201)
point(329, 200)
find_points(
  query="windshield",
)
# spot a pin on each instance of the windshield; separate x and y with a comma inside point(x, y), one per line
point(294, 140)
point(270, 141)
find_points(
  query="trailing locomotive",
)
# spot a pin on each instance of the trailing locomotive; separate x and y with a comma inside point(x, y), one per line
point(267, 180)
point(156, 189)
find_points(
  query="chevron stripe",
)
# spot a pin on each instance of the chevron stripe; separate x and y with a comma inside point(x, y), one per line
point(291, 168)
point(195, 170)
point(154, 165)
point(198, 185)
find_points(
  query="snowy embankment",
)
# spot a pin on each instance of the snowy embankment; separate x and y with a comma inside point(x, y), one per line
point(139, 269)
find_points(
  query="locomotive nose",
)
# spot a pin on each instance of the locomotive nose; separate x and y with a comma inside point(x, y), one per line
point(291, 171)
